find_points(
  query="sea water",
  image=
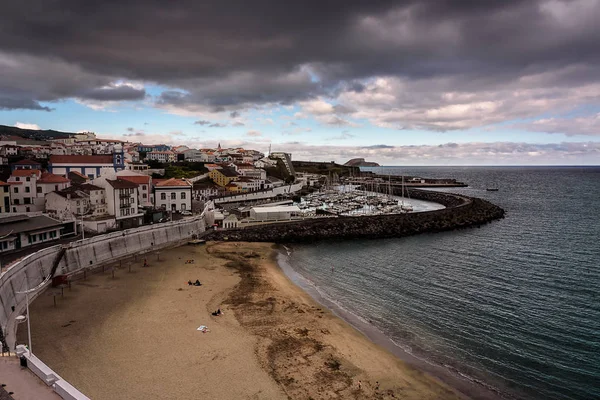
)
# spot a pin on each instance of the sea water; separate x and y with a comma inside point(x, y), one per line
point(514, 304)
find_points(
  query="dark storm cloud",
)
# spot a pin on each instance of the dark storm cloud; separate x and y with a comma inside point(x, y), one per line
point(283, 52)
point(8, 103)
point(234, 114)
point(114, 93)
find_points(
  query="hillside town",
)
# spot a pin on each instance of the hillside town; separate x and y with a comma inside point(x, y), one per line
point(83, 185)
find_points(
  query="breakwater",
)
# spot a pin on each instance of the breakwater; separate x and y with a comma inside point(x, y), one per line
point(460, 212)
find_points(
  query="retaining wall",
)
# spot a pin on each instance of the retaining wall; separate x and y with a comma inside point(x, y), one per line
point(30, 271)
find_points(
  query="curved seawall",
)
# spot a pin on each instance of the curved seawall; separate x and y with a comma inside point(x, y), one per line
point(460, 212)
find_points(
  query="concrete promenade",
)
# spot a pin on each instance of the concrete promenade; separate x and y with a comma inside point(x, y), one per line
point(22, 382)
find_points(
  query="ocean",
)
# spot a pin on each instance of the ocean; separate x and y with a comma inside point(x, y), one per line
point(513, 305)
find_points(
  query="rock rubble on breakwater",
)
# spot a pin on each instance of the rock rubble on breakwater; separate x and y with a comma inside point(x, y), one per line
point(460, 212)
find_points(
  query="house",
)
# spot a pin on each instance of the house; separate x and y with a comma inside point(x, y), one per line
point(8, 150)
point(66, 205)
point(173, 194)
point(26, 164)
point(4, 197)
point(162, 156)
point(203, 190)
point(144, 183)
point(246, 184)
point(23, 188)
point(29, 186)
point(121, 201)
point(223, 176)
point(89, 165)
point(78, 201)
point(20, 231)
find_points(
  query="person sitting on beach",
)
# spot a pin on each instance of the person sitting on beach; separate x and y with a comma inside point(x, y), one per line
point(217, 313)
point(197, 283)
point(190, 283)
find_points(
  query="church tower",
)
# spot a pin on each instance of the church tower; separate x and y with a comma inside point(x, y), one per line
point(118, 158)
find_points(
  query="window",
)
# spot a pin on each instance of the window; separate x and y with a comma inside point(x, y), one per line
point(182, 195)
point(28, 179)
point(56, 187)
point(182, 206)
point(144, 195)
point(45, 236)
point(163, 196)
point(38, 189)
point(16, 201)
point(18, 179)
point(133, 211)
point(26, 200)
point(173, 196)
point(33, 238)
point(78, 210)
point(27, 189)
point(143, 187)
point(52, 235)
point(27, 209)
point(16, 190)
point(78, 202)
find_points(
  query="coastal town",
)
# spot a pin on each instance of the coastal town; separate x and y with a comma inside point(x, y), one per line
point(76, 206)
point(70, 186)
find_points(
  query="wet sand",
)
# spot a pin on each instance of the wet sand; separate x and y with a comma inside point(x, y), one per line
point(135, 337)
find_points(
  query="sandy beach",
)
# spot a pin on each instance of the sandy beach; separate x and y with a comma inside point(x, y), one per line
point(135, 336)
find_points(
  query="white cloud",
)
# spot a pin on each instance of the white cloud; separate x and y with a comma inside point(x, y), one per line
point(587, 125)
point(24, 125)
point(253, 133)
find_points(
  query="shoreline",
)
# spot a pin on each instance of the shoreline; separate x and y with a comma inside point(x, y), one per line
point(470, 387)
point(134, 336)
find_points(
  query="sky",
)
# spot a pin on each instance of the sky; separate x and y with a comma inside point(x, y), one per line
point(439, 82)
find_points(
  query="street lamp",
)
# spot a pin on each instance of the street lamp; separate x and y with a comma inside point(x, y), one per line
point(22, 318)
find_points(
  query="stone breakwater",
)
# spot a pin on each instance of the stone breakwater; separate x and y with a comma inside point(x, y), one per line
point(460, 212)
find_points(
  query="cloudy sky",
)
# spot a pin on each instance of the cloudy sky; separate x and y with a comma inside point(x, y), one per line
point(434, 82)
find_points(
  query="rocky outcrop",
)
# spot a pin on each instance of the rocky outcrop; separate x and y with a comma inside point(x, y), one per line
point(360, 162)
point(461, 212)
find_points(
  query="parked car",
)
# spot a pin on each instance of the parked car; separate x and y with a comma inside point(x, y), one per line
point(186, 212)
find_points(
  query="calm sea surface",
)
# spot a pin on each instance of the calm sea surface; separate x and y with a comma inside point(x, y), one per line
point(515, 304)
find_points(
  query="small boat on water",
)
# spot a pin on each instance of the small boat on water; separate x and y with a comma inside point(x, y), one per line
point(492, 189)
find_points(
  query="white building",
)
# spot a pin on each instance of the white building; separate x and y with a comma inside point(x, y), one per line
point(162, 156)
point(144, 183)
point(121, 201)
point(29, 187)
point(173, 194)
point(81, 201)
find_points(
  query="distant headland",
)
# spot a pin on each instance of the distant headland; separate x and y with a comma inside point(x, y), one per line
point(360, 162)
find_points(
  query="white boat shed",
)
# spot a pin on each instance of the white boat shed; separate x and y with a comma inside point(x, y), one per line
point(274, 213)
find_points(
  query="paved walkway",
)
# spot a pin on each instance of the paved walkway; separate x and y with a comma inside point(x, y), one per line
point(22, 382)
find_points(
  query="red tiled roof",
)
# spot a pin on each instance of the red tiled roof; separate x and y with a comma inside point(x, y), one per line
point(47, 177)
point(2, 183)
point(172, 182)
point(25, 172)
point(76, 159)
point(77, 173)
point(121, 184)
point(140, 180)
point(26, 162)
